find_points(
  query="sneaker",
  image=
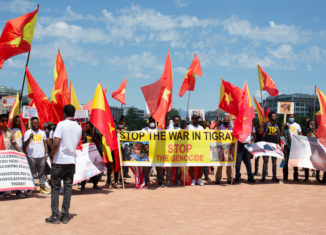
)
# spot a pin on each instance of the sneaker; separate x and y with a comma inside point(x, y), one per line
point(199, 182)
point(46, 184)
point(82, 189)
point(207, 178)
point(52, 220)
point(64, 218)
point(44, 191)
point(179, 183)
point(161, 185)
point(217, 182)
point(276, 180)
point(168, 183)
point(193, 182)
point(95, 187)
point(19, 194)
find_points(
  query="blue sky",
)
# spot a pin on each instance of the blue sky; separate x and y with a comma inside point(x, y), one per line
point(108, 41)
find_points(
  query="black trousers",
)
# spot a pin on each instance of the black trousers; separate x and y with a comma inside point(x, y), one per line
point(286, 165)
point(245, 157)
point(66, 173)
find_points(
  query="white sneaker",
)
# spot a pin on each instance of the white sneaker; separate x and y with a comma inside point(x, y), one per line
point(47, 185)
point(199, 182)
point(193, 182)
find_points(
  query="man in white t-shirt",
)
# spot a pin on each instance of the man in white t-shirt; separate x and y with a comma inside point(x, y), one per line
point(65, 141)
point(37, 152)
point(194, 126)
point(174, 127)
point(293, 128)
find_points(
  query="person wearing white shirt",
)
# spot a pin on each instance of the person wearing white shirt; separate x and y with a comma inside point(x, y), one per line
point(65, 141)
point(151, 127)
point(37, 152)
point(196, 127)
point(293, 129)
point(175, 126)
point(17, 137)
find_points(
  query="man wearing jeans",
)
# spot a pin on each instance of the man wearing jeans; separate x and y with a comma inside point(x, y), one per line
point(65, 140)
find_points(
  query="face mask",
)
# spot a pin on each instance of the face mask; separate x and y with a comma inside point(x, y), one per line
point(152, 125)
point(226, 123)
point(176, 125)
point(291, 119)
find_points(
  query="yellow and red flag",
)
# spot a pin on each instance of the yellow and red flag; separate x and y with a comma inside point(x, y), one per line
point(14, 111)
point(266, 83)
point(243, 123)
point(190, 79)
point(321, 131)
point(158, 95)
point(73, 97)
point(60, 92)
point(230, 97)
point(17, 36)
point(260, 111)
point(120, 93)
point(89, 105)
point(41, 102)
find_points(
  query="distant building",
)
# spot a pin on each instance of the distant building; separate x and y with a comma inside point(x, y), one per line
point(5, 91)
point(118, 111)
point(303, 103)
point(212, 115)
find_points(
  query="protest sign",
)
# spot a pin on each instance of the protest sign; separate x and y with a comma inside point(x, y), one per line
point(285, 107)
point(29, 112)
point(88, 163)
point(8, 101)
point(15, 173)
point(178, 148)
point(198, 112)
point(79, 114)
point(263, 148)
point(307, 152)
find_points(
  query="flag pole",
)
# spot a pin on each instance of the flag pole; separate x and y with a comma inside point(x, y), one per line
point(21, 92)
point(188, 107)
point(315, 99)
point(184, 168)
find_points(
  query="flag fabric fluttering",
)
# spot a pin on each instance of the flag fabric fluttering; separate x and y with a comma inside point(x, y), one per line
point(17, 36)
point(14, 111)
point(260, 111)
point(266, 83)
point(158, 95)
point(101, 118)
point(73, 97)
point(267, 111)
point(120, 93)
point(89, 105)
point(230, 97)
point(189, 80)
point(60, 91)
point(321, 131)
point(243, 123)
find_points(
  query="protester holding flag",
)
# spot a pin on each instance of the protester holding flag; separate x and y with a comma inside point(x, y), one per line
point(176, 126)
point(271, 133)
point(37, 152)
point(226, 125)
point(292, 128)
point(194, 126)
point(65, 141)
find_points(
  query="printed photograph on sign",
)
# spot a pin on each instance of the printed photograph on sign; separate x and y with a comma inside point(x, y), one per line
point(8, 101)
point(285, 107)
point(222, 152)
point(198, 112)
point(135, 151)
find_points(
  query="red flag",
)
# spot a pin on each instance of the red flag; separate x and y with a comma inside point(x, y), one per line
point(243, 123)
point(190, 79)
point(41, 102)
point(266, 83)
point(120, 93)
point(60, 92)
point(158, 95)
point(260, 112)
point(230, 97)
point(321, 131)
point(17, 36)
point(22, 124)
point(266, 114)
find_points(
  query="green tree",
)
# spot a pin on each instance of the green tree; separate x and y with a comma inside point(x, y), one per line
point(133, 120)
point(173, 113)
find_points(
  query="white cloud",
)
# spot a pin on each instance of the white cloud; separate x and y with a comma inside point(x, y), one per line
point(138, 65)
point(182, 3)
point(15, 63)
point(275, 33)
point(18, 6)
point(181, 70)
point(285, 51)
